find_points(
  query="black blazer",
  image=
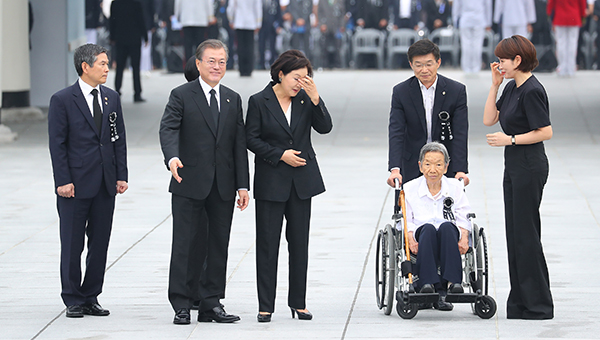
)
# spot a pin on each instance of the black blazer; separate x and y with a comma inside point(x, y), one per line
point(188, 131)
point(80, 153)
point(269, 135)
point(126, 24)
point(408, 128)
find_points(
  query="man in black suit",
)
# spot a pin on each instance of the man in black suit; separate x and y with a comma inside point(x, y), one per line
point(204, 144)
point(127, 29)
point(427, 107)
point(89, 161)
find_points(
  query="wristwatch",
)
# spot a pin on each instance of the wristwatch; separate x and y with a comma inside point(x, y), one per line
point(513, 140)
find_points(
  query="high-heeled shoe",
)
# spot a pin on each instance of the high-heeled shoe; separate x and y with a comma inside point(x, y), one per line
point(264, 317)
point(301, 315)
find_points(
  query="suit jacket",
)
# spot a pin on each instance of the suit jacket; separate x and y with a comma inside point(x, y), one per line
point(566, 12)
point(433, 12)
point(126, 24)
point(80, 153)
point(408, 127)
point(415, 12)
point(208, 154)
point(269, 135)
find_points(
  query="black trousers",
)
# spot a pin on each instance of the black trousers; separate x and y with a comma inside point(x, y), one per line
point(525, 174)
point(134, 52)
point(80, 217)
point(198, 266)
point(245, 51)
point(267, 37)
point(269, 221)
point(192, 37)
point(438, 248)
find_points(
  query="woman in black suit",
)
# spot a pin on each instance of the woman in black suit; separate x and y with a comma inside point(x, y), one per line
point(287, 176)
point(524, 115)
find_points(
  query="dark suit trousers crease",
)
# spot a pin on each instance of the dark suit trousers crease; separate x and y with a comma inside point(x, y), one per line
point(125, 51)
point(192, 37)
point(438, 248)
point(80, 217)
point(525, 174)
point(245, 51)
point(198, 266)
point(269, 222)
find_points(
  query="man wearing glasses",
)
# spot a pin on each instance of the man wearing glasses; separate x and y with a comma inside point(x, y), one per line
point(204, 144)
point(427, 107)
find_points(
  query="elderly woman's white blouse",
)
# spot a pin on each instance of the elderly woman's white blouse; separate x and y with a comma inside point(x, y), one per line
point(422, 207)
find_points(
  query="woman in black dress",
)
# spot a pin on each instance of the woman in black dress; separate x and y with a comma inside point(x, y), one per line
point(279, 123)
point(523, 113)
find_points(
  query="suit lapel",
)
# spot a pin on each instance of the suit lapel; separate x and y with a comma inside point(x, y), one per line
point(417, 98)
point(440, 96)
point(202, 104)
point(225, 99)
point(275, 109)
point(83, 107)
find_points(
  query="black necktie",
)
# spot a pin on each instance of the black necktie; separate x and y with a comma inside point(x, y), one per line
point(97, 110)
point(214, 107)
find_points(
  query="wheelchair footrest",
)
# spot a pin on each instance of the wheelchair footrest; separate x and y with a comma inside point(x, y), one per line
point(462, 298)
point(423, 297)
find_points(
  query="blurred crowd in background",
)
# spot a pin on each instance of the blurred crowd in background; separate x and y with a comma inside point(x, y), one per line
point(354, 33)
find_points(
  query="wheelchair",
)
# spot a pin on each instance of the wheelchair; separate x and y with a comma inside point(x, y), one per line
point(394, 277)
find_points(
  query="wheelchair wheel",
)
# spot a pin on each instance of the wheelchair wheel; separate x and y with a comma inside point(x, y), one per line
point(485, 307)
point(406, 311)
point(484, 262)
point(392, 267)
point(381, 269)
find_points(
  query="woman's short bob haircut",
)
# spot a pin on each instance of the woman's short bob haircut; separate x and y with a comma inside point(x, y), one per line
point(289, 61)
point(518, 45)
point(434, 147)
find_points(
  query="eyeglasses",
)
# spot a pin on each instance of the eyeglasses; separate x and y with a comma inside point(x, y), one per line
point(427, 65)
point(213, 62)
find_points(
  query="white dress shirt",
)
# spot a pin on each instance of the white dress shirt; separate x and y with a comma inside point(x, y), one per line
point(422, 207)
point(86, 89)
point(404, 7)
point(428, 100)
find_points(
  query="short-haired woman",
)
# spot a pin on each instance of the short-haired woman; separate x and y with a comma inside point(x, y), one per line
point(278, 131)
point(524, 116)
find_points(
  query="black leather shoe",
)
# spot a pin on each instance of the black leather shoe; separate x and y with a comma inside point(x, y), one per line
point(456, 288)
point(182, 317)
point(217, 314)
point(138, 100)
point(301, 315)
point(264, 317)
point(427, 288)
point(442, 305)
point(74, 311)
point(422, 306)
point(94, 309)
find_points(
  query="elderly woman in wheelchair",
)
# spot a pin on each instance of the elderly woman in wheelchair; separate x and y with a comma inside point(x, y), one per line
point(432, 222)
point(438, 228)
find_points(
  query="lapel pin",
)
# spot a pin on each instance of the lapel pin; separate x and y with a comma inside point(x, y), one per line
point(443, 93)
point(228, 100)
point(302, 102)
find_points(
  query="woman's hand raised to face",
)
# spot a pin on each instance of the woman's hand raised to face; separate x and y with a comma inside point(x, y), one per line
point(497, 75)
point(309, 86)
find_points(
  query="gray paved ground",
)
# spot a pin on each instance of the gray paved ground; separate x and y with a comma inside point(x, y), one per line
point(357, 203)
